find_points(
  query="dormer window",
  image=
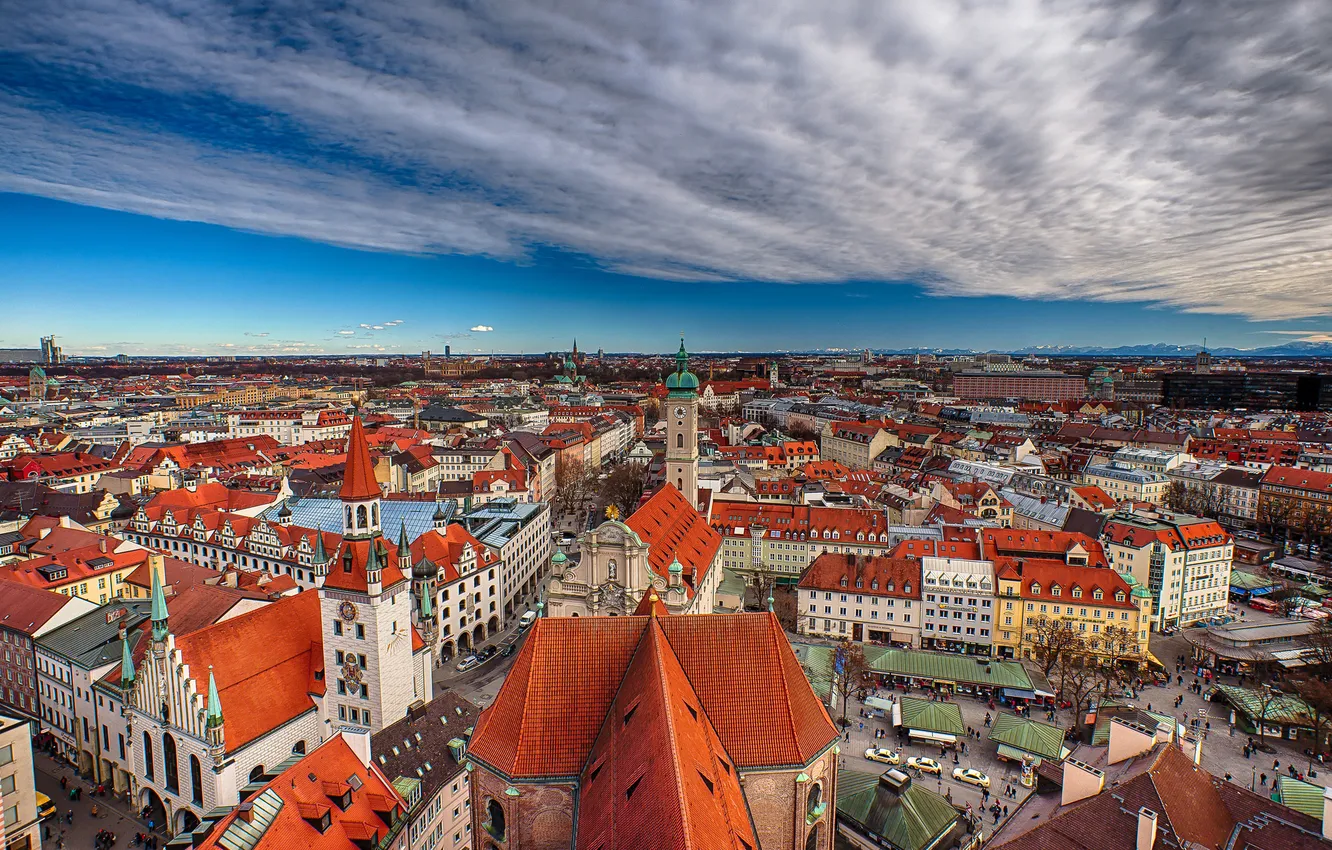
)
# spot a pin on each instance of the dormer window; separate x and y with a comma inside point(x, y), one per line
point(1097, 594)
point(860, 583)
point(1054, 590)
point(1035, 589)
point(843, 581)
point(1119, 596)
point(874, 585)
point(1077, 593)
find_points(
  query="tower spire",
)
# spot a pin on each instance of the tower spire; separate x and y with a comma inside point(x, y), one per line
point(214, 716)
point(159, 609)
point(126, 661)
point(358, 482)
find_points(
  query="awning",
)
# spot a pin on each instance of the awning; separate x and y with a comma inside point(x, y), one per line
point(880, 703)
point(1152, 659)
point(1018, 693)
point(1008, 752)
point(937, 737)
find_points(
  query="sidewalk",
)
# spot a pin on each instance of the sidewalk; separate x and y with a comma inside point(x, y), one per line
point(112, 812)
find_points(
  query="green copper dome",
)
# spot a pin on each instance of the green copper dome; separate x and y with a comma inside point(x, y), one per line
point(682, 382)
point(676, 566)
point(559, 557)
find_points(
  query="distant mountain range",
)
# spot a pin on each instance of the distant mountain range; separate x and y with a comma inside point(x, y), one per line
point(1157, 349)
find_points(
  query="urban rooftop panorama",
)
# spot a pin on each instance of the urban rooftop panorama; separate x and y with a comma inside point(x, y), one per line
point(559, 426)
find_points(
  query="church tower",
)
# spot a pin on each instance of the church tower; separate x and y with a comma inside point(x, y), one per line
point(365, 601)
point(681, 412)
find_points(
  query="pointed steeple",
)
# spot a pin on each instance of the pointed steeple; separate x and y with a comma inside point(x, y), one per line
point(320, 553)
point(160, 628)
point(427, 601)
point(358, 481)
point(214, 715)
point(126, 661)
point(404, 551)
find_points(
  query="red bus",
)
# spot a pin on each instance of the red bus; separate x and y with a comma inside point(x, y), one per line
point(1263, 605)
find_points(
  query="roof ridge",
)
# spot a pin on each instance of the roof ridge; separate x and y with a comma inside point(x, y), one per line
point(656, 638)
point(774, 629)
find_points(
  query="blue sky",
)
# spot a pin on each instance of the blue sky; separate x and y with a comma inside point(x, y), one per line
point(109, 282)
point(761, 174)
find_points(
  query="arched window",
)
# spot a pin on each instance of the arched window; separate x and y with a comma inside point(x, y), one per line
point(196, 781)
point(298, 748)
point(171, 779)
point(147, 756)
point(349, 516)
point(495, 820)
point(679, 441)
point(257, 774)
point(815, 837)
point(361, 521)
point(679, 484)
point(813, 800)
point(374, 510)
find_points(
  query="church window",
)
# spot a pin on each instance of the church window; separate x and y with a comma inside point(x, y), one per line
point(361, 517)
point(148, 756)
point(374, 510)
point(349, 516)
point(196, 781)
point(679, 441)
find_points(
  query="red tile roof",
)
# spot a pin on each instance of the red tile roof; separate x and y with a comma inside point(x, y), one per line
point(264, 663)
point(673, 529)
point(358, 482)
point(871, 575)
point(1047, 574)
point(27, 609)
point(1298, 479)
point(551, 708)
point(305, 787)
point(658, 774)
point(1014, 542)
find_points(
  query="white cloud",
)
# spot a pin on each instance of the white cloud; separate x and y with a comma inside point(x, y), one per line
point(1172, 153)
point(347, 333)
point(482, 329)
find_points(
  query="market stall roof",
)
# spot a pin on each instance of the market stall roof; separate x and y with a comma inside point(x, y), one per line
point(1286, 709)
point(1030, 736)
point(930, 716)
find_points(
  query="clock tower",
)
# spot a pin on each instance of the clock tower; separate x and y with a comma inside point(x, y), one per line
point(681, 412)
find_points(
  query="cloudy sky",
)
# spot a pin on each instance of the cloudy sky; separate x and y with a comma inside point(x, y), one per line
point(394, 175)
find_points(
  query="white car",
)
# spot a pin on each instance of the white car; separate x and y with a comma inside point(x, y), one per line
point(885, 756)
point(468, 663)
point(971, 776)
point(925, 765)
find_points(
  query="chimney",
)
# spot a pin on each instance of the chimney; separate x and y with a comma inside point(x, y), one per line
point(1081, 781)
point(1327, 813)
point(1128, 740)
point(41, 534)
point(101, 545)
point(1146, 829)
point(359, 741)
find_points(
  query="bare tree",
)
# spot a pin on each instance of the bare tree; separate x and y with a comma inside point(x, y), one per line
point(849, 669)
point(1078, 675)
point(1051, 641)
point(1317, 646)
point(1316, 692)
point(623, 487)
point(573, 483)
point(1117, 646)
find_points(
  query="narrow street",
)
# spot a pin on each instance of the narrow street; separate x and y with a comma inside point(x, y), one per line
point(112, 813)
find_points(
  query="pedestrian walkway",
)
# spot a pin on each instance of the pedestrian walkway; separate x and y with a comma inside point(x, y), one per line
point(112, 812)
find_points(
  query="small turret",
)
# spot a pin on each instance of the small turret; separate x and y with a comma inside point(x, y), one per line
point(213, 723)
point(404, 551)
point(374, 576)
point(284, 514)
point(440, 520)
point(159, 611)
point(676, 570)
point(127, 671)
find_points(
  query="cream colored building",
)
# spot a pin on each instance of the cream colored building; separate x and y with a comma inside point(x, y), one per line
point(18, 788)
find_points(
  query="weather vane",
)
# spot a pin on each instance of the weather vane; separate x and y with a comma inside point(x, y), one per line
point(612, 512)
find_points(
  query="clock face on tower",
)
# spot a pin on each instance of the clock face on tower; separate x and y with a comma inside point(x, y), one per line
point(347, 611)
point(679, 412)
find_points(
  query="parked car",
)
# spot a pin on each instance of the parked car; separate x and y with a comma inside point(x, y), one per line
point(971, 776)
point(509, 649)
point(883, 755)
point(925, 765)
point(487, 652)
point(468, 663)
